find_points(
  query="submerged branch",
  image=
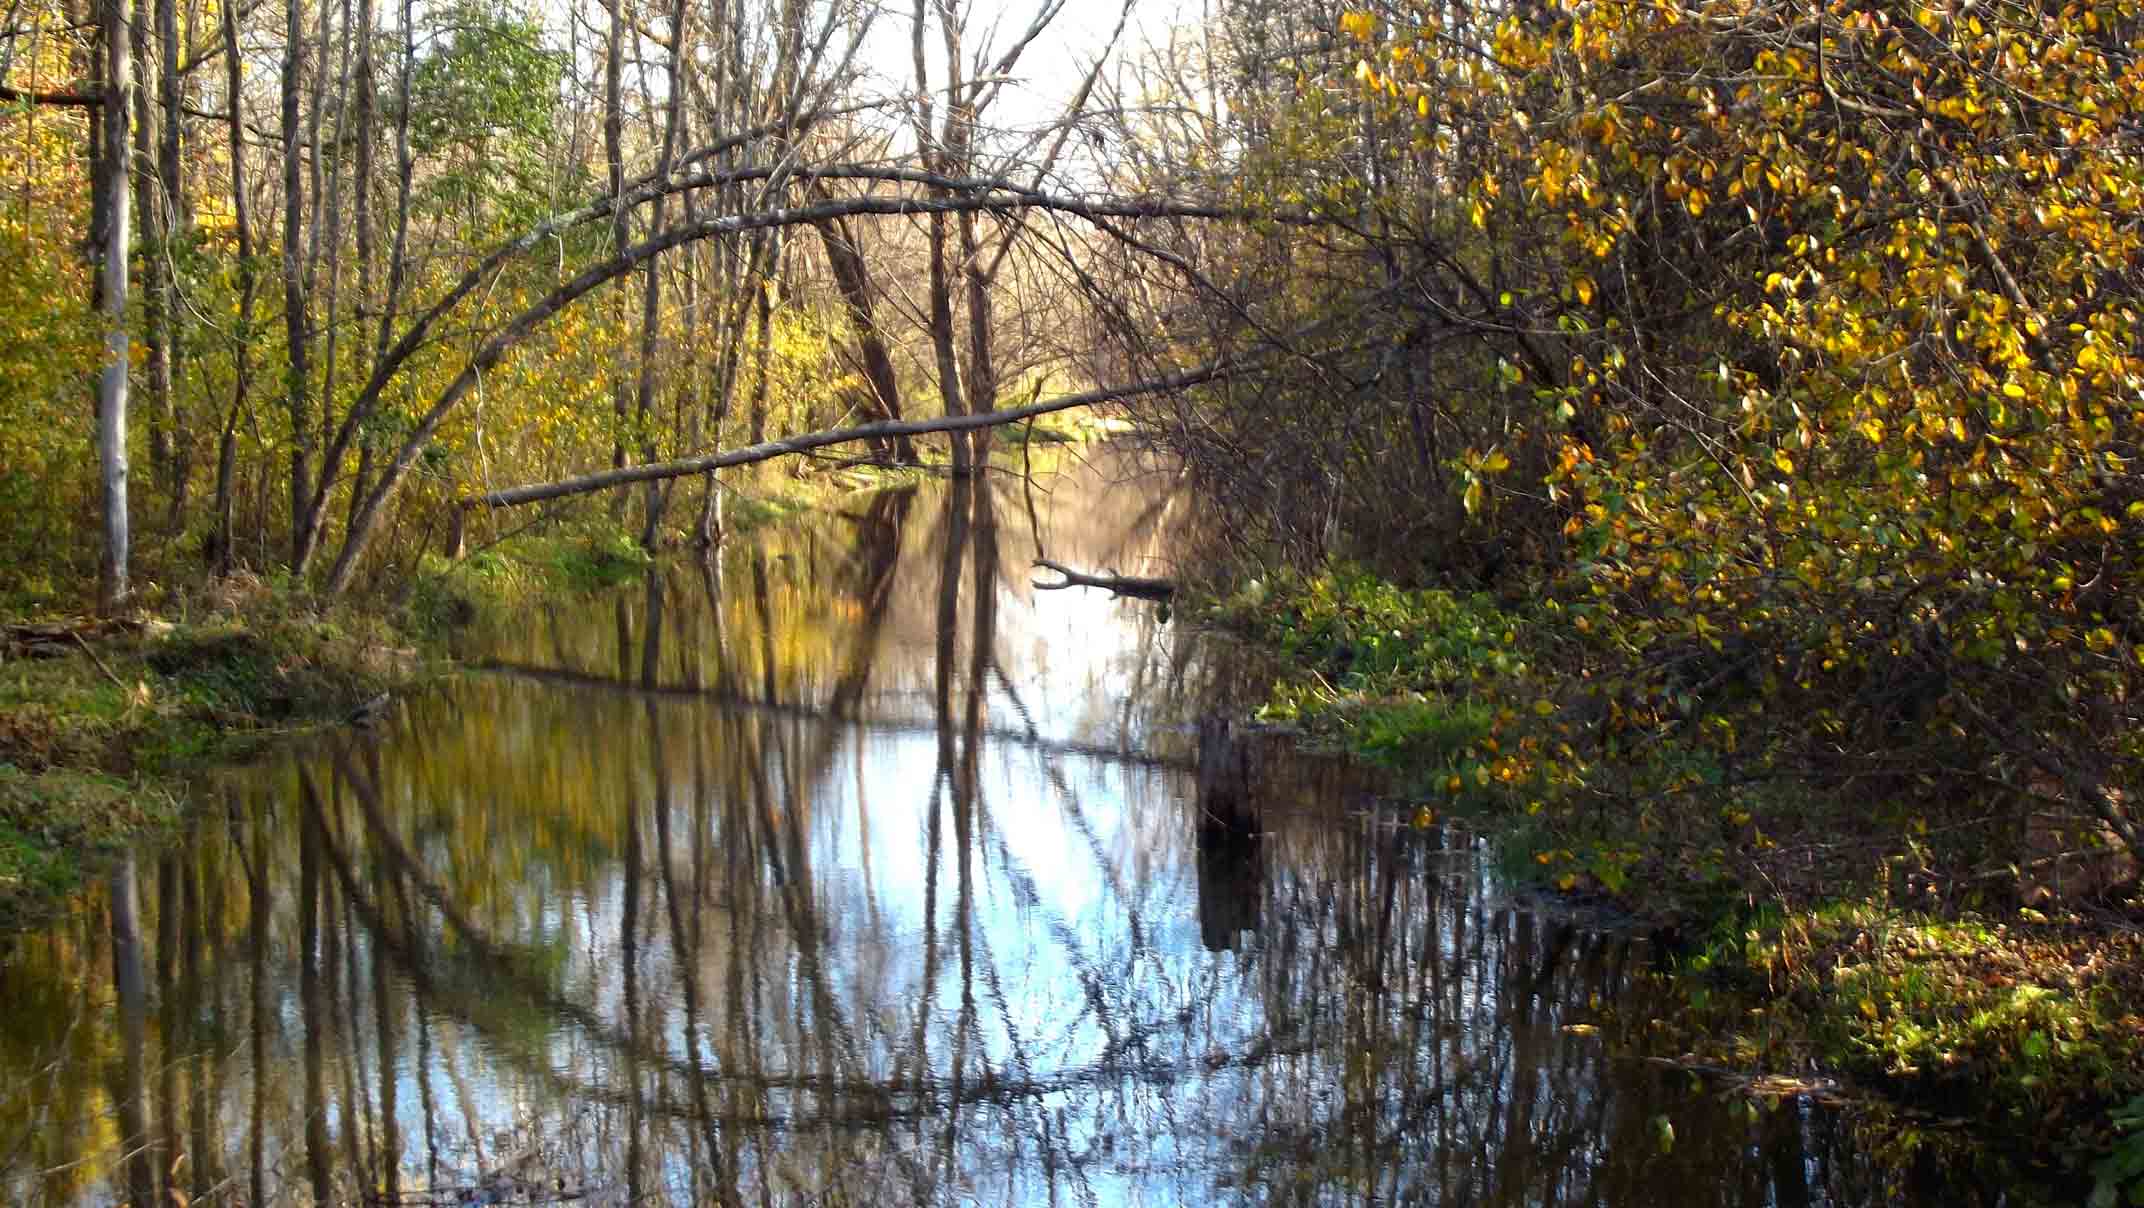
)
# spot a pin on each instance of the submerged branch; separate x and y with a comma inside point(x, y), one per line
point(1123, 585)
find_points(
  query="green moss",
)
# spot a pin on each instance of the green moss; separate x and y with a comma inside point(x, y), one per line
point(92, 743)
point(1359, 636)
point(55, 824)
point(1404, 679)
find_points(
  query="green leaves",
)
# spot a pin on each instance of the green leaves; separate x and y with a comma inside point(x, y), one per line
point(483, 99)
point(2118, 1178)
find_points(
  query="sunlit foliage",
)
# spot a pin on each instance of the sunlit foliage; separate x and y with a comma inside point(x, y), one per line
point(1825, 324)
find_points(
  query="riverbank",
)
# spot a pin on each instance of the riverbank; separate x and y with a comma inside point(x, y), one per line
point(103, 722)
point(100, 723)
point(1953, 962)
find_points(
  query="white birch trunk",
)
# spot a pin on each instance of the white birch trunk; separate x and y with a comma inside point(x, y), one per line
point(112, 388)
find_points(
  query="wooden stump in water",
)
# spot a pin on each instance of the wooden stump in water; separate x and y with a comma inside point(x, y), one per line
point(1230, 868)
point(1224, 798)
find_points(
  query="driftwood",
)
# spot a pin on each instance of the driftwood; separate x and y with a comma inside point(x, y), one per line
point(56, 639)
point(1123, 585)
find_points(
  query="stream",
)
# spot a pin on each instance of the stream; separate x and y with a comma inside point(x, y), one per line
point(852, 869)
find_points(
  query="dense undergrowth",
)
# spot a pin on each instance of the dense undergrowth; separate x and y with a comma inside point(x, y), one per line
point(1930, 951)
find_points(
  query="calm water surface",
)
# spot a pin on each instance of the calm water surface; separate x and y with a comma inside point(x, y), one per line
point(852, 870)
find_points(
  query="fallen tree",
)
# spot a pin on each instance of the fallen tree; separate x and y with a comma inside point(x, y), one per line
point(881, 430)
point(691, 174)
point(366, 513)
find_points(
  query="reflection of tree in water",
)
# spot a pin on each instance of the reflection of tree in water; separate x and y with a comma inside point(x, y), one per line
point(719, 918)
point(799, 607)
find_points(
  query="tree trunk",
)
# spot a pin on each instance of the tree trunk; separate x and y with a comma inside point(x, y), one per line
point(318, 204)
point(706, 429)
point(242, 335)
point(362, 92)
point(329, 244)
point(652, 284)
point(852, 277)
point(112, 388)
point(753, 293)
point(614, 164)
point(405, 174)
point(170, 171)
point(150, 210)
point(295, 328)
point(982, 384)
point(956, 152)
point(765, 308)
point(936, 159)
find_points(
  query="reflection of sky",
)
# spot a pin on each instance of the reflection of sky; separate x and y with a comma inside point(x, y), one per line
point(1031, 853)
point(1086, 961)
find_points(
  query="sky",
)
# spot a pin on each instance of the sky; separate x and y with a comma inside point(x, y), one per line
point(1049, 73)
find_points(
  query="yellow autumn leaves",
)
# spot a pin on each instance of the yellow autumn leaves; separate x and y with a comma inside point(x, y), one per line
point(1861, 310)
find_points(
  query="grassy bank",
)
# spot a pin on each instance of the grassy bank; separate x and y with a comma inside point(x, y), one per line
point(101, 722)
point(1947, 953)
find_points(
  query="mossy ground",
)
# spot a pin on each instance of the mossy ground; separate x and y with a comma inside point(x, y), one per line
point(1818, 929)
point(2025, 1024)
point(52, 821)
point(95, 743)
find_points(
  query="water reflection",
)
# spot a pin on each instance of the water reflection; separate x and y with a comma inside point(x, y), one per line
point(848, 870)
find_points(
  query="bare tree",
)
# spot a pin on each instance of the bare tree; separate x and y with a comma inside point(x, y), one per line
point(620, 215)
point(651, 279)
point(248, 288)
point(297, 328)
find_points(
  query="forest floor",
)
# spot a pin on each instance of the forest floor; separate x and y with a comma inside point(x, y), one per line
point(1984, 997)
